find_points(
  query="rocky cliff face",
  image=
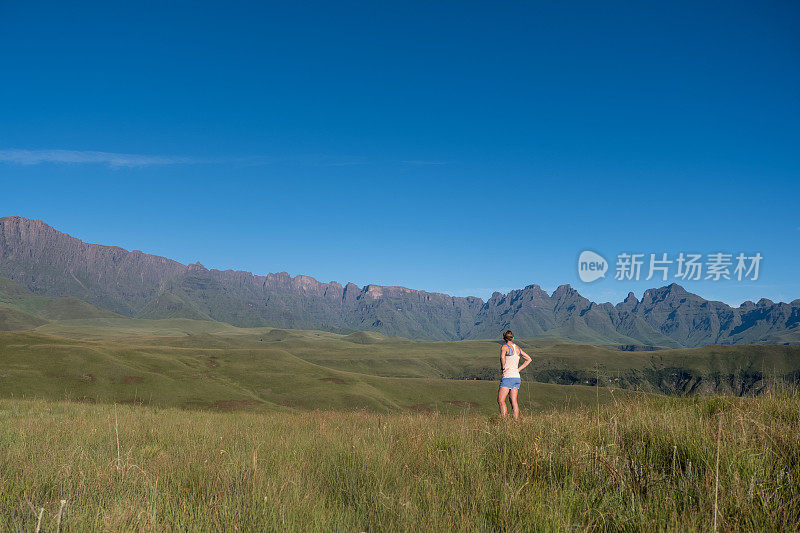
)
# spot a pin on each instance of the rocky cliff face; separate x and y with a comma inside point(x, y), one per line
point(690, 320)
point(51, 263)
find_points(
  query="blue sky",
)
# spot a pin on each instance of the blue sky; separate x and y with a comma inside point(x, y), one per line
point(448, 146)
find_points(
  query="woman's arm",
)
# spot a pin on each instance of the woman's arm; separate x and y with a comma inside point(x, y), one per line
point(527, 359)
point(503, 352)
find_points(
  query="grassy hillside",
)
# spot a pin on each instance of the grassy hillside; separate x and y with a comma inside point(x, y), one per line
point(231, 372)
point(141, 330)
point(736, 369)
point(204, 364)
point(22, 310)
point(15, 320)
point(69, 308)
point(652, 464)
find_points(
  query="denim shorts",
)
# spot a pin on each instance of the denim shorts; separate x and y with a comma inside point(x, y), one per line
point(510, 383)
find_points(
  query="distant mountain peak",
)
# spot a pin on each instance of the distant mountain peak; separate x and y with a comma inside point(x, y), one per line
point(30, 228)
point(672, 288)
point(564, 290)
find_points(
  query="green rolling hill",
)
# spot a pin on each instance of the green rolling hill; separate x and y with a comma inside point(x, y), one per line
point(15, 320)
point(223, 372)
point(212, 365)
point(15, 297)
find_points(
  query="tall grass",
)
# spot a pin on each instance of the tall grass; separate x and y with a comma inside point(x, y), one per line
point(646, 464)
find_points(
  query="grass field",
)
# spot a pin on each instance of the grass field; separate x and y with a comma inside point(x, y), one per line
point(645, 464)
point(247, 370)
point(210, 365)
point(182, 424)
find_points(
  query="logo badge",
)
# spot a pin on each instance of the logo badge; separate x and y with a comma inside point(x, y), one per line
point(591, 266)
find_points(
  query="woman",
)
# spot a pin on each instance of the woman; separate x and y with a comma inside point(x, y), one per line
point(509, 366)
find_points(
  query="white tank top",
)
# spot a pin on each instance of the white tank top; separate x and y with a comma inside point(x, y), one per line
point(511, 363)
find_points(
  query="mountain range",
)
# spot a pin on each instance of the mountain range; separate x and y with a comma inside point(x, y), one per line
point(67, 273)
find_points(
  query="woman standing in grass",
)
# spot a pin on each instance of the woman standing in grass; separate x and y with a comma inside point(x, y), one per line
point(510, 380)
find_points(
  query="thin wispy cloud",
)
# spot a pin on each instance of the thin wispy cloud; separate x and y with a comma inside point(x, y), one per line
point(420, 162)
point(120, 160)
point(36, 157)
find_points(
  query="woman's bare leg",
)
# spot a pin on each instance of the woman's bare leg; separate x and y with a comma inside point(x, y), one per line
point(501, 400)
point(514, 405)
